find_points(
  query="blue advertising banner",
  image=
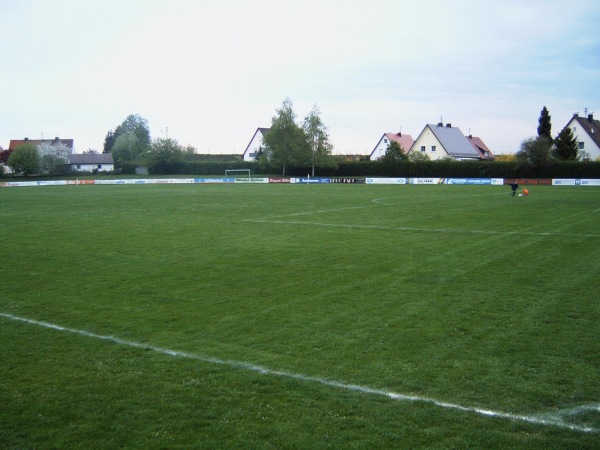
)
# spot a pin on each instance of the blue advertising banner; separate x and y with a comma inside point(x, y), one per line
point(214, 180)
point(468, 181)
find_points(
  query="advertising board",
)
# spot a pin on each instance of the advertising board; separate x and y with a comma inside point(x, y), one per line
point(425, 180)
point(575, 182)
point(385, 180)
point(468, 181)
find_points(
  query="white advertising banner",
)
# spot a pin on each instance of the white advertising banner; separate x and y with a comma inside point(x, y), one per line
point(425, 180)
point(385, 180)
point(575, 182)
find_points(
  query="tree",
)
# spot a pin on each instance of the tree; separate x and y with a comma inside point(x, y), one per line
point(25, 159)
point(125, 148)
point(418, 156)
point(285, 143)
point(165, 156)
point(544, 128)
point(394, 153)
point(54, 157)
point(317, 140)
point(565, 146)
point(534, 151)
point(109, 142)
point(133, 124)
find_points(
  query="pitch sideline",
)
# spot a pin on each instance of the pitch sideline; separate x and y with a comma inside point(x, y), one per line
point(555, 419)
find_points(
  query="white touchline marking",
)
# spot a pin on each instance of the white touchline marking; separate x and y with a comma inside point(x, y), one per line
point(422, 229)
point(308, 213)
point(548, 419)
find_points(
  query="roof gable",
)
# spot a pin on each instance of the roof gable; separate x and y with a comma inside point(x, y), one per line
point(260, 130)
point(404, 140)
point(591, 126)
point(453, 141)
point(480, 147)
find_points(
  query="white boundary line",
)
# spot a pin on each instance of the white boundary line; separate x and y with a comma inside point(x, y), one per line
point(550, 419)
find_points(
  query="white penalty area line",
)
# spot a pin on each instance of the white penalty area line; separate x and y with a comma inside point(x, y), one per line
point(550, 419)
point(423, 229)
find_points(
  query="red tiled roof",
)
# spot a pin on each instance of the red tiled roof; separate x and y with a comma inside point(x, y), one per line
point(404, 140)
point(481, 148)
point(14, 143)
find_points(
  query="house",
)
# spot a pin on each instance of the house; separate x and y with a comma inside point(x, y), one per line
point(253, 149)
point(405, 140)
point(14, 143)
point(587, 132)
point(484, 152)
point(439, 141)
point(91, 162)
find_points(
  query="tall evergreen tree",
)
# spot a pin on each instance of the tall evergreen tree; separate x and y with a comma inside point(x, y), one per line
point(544, 128)
point(565, 146)
point(109, 141)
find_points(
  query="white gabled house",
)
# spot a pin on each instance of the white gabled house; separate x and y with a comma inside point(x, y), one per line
point(439, 141)
point(253, 149)
point(405, 140)
point(90, 162)
point(587, 132)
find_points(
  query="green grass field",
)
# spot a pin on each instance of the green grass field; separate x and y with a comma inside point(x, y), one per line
point(287, 316)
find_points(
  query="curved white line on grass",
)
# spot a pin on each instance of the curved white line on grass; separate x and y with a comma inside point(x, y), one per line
point(422, 229)
point(309, 213)
point(550, 419)
point(384, 200)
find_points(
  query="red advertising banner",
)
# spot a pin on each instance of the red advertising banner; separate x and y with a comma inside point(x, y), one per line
point(544, 181)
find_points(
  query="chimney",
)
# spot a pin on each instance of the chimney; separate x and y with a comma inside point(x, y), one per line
point(591, 117)
point(26, 139)
point(56, 139)
point(576, 114)
point(440, 124)
point(400, 133)
point(448, 125)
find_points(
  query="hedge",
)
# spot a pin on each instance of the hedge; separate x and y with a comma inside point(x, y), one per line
point(441, 169)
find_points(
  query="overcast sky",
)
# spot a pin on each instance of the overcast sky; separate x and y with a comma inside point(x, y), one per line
point(211, 71)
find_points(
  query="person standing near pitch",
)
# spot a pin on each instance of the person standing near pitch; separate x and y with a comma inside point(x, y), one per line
point(514, 187)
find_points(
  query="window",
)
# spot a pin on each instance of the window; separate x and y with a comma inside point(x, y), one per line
point(78, 166)
point(422, 148)
point(433, 148)
point(385, 141)
point(99, 166)
point(581, 145)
